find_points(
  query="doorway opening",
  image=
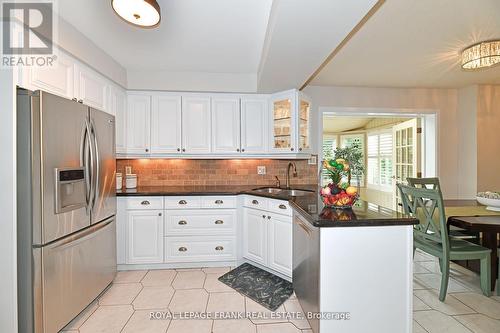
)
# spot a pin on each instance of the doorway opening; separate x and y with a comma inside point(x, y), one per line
point(395, 145)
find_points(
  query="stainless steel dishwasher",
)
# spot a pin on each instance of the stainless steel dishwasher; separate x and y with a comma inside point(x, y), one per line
point(306, 265)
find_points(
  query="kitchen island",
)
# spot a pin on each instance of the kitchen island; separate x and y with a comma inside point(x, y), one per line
point(352, 269)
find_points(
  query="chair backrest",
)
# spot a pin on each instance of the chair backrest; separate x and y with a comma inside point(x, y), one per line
point(430, 183)
point(427, 205)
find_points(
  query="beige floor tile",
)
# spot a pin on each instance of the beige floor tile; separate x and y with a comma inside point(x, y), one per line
point(293, 306)
point(226, 302)
point(307, 331)
point(481, 304)
point(70, 331)
point(161, 277)
point(479, 323)
point(212, 284)
point(451, 306)
point(417, 285)
point(188, 269)
point(419, 268)
point(129, 276)
point(422, 256)
point(120, 294)
point(213, 270)
point(434, 281)
point(234, 325)
point(194, 300)
point(417, 328)
point(496, 298)
point(264, 316)
point(82, 317)
point(153, 298)
point(277, 328)
point(141, 322)
point(193, 279)
point(436, 322)
point(418, 305)
point(190, 326)
point(107, 319)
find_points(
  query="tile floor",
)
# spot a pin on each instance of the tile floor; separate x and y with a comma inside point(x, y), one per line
point(127, 304)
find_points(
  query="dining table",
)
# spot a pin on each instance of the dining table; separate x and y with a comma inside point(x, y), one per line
point(475, 218)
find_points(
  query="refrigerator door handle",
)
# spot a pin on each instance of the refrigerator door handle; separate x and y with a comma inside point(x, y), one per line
point(97, 165)
point(80, 236)
point(91, 167)
point(84, 160)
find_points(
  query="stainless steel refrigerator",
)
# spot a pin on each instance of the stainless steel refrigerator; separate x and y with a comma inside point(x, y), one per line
point(66, 208)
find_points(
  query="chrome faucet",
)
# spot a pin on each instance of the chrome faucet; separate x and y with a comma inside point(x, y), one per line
point(290, 164)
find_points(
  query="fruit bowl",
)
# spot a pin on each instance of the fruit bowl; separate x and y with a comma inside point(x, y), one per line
point(489, 199)
point(338, 197)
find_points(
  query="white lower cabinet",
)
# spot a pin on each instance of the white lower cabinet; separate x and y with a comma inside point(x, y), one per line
point(254, 235)
point(144, 237)
point(279, 240)
point(199, 248)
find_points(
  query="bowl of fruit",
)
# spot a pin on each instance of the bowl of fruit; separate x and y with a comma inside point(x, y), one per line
point(339, 193)
point(489, 199)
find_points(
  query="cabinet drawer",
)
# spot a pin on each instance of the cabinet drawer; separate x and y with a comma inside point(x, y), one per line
point(145, 203)
point(255, 202)
point(201, 248)
point(184, 202)
point(218, 202)
point(200, 222)
point(279, 207)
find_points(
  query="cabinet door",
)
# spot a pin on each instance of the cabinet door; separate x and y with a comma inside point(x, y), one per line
point(304, 123)
point(254, 125)
point(166, 124)
point(282, 129)
point(144, 237)
point(196, 126)
point(57, 80)
point(117, 105)
point(90, 87)
point(280, 243)
point(255, 235)
point(226, 125)
point(138, 124)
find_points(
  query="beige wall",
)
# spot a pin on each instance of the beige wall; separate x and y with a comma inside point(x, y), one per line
point(488, 138)
point(443, 101)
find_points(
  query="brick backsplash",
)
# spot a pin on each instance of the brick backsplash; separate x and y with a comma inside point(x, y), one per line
point(175, 172)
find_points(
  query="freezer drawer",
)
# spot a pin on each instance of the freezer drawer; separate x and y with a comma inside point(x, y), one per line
point(75, 271)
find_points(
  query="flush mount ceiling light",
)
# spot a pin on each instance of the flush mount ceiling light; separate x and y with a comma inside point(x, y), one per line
point(481, 55)
point(141, 13)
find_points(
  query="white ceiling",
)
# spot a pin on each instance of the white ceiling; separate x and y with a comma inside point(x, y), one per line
point(416, 44)
point(222, 36)
point(343, 124)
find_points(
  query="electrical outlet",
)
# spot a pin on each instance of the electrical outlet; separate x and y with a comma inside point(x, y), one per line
point(313, 160)
point(261, 170)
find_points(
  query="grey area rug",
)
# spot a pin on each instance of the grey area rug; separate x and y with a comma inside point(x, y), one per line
point(265, 288)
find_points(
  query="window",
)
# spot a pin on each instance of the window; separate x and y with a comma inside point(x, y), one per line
point(379, 170)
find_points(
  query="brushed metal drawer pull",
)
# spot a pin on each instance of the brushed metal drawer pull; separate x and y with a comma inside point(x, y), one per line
point(183, 249)
point(183, 222)
point(219, 202)
point(282, 206)
point(268, 217)
point(183, 202)
point(219, 222)
point(160, 214)
point(263, 216)
point(255, 202)
point(219, 248)
point(145, 202)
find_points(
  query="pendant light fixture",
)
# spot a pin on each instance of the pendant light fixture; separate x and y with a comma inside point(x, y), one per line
point(141, 13)
point(481, 55)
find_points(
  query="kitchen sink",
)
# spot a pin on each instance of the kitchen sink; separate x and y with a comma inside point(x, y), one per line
point(281, 191)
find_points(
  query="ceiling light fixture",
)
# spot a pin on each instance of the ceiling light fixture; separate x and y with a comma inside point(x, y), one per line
point(481, 55)
point(141, 13)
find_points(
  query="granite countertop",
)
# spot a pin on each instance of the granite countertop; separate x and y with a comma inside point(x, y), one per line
point(363, 214)
point(310, 206)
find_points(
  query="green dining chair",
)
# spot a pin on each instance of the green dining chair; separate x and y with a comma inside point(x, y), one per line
point(431, 235)
point(433, 183)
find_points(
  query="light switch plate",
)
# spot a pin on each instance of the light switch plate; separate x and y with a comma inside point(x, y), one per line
point(313, 160)
point(261, 170)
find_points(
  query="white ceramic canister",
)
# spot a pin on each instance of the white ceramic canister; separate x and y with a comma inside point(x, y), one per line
point(119, 181)
point(131, 181)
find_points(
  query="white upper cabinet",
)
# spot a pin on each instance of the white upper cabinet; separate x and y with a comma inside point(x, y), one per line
point(304, 123)
point(226, 124)
point(117, 106)
point(138, 123)
point(196, 127)
point(166, 124)
point(90, 87)
point(254, 125)
point(57, 80)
